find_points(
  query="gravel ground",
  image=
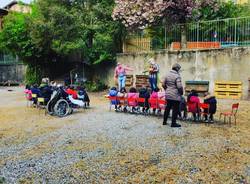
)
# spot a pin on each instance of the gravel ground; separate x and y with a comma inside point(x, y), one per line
point(99, 146)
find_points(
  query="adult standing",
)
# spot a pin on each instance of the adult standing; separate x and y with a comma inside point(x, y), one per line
point(174, 90)
point(120, 75)
point(153, 74)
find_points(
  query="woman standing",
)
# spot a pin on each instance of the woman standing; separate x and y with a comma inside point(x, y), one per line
point(174, 90)
point(120, 75)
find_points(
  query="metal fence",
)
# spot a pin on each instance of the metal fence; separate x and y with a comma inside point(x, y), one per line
point(7, 59)
point(233, 32)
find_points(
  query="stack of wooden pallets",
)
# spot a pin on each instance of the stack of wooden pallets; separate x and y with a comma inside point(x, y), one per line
point(141, 80)
point(228, 89)
point(129, 81)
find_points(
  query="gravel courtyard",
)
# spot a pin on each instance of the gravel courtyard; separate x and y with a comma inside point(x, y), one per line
point(99, 146)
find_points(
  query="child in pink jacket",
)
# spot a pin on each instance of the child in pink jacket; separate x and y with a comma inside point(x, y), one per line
point(28, 93)
point(132, 95)
point(153, 97)
point(193, 104)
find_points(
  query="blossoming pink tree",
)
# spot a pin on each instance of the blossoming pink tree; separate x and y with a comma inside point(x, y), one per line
point(138, 14)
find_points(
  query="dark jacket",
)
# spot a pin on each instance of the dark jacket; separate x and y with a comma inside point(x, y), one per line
point(36, 91)
point(46, 92)
point(183, 104)
point(173, 86)
point(83, 92)
point(211, 100)
point(144, 93)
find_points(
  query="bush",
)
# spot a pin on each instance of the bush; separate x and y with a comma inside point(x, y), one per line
point(33, 75)
point(2, 180)
point(95, 86)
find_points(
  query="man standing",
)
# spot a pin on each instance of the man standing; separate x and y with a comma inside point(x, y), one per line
point(174, 90)
point(153, 73)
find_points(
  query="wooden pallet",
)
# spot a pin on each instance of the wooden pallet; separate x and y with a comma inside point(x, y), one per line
point(142, 80)
point(129, 81)
point(228, 95)
point(228, 89)
point(232, 86)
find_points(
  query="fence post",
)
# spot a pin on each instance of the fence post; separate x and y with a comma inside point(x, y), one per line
point(165, 39)
point(197, 39)
point(235, 31)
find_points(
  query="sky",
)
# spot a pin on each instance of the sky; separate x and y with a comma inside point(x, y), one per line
point(5, 2)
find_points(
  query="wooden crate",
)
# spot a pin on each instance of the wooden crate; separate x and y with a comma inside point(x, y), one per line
point(228, 95)
point(201, 87)
point(141, 80)
point(228, 89)
point(232, 86)
point(129, 81)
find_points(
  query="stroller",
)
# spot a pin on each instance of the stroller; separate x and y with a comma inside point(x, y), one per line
point(61, 104)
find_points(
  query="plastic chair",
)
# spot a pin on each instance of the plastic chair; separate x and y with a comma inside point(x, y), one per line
point(141, 102)
point(162, 104)
point(122, 102)
point(34, 95)
point(132, 103)
point(34, 99)
point(153, 103)
point(41, 104)
point(190, 104)
point(204, 109)
point(231, 114)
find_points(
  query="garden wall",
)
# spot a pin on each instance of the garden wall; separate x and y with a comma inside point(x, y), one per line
point(12, 72)
point(231, 64)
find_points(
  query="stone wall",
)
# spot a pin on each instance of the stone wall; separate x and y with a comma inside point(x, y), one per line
point(12, 72)
point(232, 64)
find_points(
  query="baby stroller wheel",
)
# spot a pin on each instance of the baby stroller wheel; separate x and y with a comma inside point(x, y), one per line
point(62, 108)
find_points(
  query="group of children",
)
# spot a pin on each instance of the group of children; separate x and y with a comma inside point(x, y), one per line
point(191, 105)
point(193, 102)
point(133, 93)
point(45, 90)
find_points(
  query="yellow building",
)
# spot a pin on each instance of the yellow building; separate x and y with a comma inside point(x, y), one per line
point(15, 6)
point(3, 12)
point(239, 1)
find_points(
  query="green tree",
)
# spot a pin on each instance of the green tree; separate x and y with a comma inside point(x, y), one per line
point(58, 30)
point(15, 36)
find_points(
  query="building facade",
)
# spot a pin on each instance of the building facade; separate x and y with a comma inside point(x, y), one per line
point(16, 6)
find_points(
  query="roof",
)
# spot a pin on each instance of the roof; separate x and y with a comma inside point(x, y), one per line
point(8, 6)
point(3, 12)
